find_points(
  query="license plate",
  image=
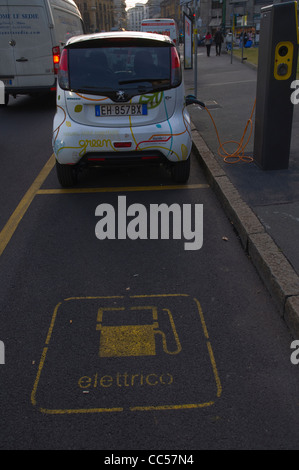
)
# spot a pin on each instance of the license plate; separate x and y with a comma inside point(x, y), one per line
point(104, 110)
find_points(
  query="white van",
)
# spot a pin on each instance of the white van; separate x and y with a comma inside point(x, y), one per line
point(166, 26)
point(32, 34)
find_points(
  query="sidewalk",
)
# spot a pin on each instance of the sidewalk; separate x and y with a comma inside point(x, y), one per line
point(262, 205)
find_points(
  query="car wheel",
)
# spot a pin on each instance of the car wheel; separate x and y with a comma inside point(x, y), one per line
point(181, 171)
point(66, 174)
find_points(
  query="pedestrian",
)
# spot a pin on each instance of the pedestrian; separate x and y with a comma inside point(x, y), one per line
point(245, 39)
point(241, 39)
point(229, 41)
point(218, 41)
point(208, 42)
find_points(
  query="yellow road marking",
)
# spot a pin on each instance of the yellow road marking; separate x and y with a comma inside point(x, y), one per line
point(84, 410)
point(214, 367)
point(172, 407)
point(95, 297)
point(131, 408)
point(158, 295)
point(40, 368)
point(52, 323)
point(203, 323)
point(209, 346)
point(14, 220)
point(121, 189)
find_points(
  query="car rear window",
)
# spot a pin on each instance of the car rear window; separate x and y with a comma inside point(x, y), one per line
point(136, 70)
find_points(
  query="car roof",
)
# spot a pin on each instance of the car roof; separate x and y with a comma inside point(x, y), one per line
point(120, 34)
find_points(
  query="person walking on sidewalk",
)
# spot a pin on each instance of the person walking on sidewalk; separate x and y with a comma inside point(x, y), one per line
point(218, 41)
point(229, 41)
point(208, 42)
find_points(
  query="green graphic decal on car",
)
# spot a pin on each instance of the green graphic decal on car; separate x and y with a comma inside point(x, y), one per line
point(152, 100)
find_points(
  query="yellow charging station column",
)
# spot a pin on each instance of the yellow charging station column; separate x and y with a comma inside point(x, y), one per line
point(277, 63)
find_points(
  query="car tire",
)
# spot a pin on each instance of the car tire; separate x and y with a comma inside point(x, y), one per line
point(181, 171)
point(66, 174)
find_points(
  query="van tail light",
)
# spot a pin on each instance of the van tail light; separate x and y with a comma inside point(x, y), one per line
point(176, 72)
point(63, 72)
point(56, 58)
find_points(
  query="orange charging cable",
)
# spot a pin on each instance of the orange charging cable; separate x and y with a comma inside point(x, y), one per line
point(238, 154)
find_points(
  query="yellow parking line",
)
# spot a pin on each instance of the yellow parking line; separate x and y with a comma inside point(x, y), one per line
point(14, 220)
point(172, 407)
point(121, 189)
point(84, 410)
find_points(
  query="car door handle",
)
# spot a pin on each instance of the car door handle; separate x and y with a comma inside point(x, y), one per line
point(22, 59)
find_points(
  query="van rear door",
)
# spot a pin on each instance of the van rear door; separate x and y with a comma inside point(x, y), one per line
point(26, 43)
point(7, 62)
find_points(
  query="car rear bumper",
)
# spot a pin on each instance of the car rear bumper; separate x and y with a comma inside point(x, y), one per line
point(73, 143)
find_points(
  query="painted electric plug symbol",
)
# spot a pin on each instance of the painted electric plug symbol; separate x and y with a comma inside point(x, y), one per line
point(134, 340)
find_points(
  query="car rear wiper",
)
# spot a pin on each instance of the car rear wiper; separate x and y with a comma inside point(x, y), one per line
point(92, 90)
point(136, 80)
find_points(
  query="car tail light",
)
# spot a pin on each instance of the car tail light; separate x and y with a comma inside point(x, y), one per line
point(63, 73)
point(56, 58)
point(119, 145)
point(176, 72)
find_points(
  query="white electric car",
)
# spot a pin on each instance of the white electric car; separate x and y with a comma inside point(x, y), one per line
point(120, 99)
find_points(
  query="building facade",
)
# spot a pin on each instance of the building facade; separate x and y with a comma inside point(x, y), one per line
point(135, 15)
point(234, 15)
point(102, 15)
point(171, 9)
point(154, 8)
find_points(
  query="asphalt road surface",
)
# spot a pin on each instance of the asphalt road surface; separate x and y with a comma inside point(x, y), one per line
point(124, 343)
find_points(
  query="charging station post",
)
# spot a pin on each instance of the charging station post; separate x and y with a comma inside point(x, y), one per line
point(277, 63)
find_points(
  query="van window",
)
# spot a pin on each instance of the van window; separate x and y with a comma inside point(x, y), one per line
point(133, 69)
point(67, 25)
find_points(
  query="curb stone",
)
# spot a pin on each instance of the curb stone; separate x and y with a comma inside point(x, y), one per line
point(276, 272)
